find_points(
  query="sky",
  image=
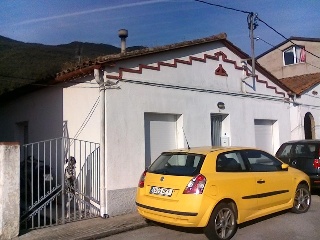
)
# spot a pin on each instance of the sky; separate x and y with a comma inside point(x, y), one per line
point(152, 23)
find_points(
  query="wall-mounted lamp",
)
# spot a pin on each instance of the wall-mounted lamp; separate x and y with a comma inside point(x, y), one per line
point(221, 105)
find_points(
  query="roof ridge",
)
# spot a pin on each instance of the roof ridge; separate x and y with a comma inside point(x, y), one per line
point(113, 57)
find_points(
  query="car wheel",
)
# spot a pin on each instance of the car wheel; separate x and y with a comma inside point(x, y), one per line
point(222, 223)
point(302, 199)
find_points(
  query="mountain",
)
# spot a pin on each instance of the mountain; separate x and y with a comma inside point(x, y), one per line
point(22, 63)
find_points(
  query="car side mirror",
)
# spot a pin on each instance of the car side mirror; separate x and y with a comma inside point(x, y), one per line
point(284, 167)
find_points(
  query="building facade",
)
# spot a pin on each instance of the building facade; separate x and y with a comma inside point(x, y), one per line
point(296, 63)
point(191, 93)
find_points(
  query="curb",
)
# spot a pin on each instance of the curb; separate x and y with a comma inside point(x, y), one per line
point(111, 232)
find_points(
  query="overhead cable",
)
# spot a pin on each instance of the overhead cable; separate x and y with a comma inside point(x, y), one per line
point(86, 120)
point(259, 38)
point(284, 36)
point(217, 5)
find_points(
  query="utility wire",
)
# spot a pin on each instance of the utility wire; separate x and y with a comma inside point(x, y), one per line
point(258, 38)
point(284, 36)
point(256, 18)
point(87, 118)
point(217, 5)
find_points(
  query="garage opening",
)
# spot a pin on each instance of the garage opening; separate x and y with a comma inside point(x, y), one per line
point(264, 132)
point(160, 134)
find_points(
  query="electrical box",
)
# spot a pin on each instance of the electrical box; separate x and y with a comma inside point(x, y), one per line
point(225, 142)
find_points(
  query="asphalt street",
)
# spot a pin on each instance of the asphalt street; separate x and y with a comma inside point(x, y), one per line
point(282, 226)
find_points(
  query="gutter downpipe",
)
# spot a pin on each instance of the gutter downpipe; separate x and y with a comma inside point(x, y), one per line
point(243, 80)
point(103, 193)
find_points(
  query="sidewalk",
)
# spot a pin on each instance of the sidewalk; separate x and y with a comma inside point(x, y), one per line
point(88, 229)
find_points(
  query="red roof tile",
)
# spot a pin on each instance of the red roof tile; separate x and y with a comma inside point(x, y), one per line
point(86, 67)
point(302, 83)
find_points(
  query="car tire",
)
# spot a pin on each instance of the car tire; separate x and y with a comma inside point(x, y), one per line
point(222, 223)
point(302, 199)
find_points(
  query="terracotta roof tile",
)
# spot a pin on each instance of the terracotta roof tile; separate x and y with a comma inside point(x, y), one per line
point(77, 71)
point(301, 83)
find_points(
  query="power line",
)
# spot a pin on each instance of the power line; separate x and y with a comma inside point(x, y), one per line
point(86, 120)
point(284, 36)
point(256, 18)
point(258, 38)
point(217, 5)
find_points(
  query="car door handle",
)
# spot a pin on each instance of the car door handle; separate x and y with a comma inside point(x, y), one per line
point(261, 181)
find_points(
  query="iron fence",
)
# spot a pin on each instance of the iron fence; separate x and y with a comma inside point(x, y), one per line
point(59, 182)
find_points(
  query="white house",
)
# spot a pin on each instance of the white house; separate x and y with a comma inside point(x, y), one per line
point(155, 99)
point(295, 62)
point(305, 108)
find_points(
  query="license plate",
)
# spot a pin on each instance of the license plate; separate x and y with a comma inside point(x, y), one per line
point(161, 191)
point(48, 177)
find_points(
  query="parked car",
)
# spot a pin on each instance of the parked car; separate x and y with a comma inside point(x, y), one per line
point(303, 155)
point(217, 188)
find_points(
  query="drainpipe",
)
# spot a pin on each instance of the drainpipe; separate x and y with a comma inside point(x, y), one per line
point(103, 193)
point(244, 75)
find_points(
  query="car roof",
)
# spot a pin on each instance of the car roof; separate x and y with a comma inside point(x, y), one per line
point(206, 149)
point(303, 141)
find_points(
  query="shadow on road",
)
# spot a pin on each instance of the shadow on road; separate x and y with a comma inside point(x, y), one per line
point(315, 192)
point(261, 219)
point(176, 228)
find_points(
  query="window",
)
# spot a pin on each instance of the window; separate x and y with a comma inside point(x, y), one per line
point(287, 151)
point(293, 55)
point(284, 151)
point(177, 164)
point(230, 162)
point(262, 162)
point(304, 150)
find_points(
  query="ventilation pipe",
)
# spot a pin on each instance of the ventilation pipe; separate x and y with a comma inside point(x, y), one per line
point(123, 34)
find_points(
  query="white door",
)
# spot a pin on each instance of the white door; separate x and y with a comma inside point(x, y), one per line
point(264, 134)
point(160, 134)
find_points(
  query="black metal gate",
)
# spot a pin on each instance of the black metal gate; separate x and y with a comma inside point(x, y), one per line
point(59, 182)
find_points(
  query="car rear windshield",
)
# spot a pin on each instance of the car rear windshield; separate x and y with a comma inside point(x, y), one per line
point(304, 150)
point(177, 164)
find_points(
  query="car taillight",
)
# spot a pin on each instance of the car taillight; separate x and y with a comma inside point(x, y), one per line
point(196, 185)
point(316, 163)
point(141, 181)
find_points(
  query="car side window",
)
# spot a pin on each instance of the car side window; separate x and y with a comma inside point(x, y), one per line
point(230, 162)
point(304, 150)
point(285, 151)
point(260, 161)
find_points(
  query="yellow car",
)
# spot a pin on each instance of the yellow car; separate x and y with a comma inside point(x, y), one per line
point(217, 188)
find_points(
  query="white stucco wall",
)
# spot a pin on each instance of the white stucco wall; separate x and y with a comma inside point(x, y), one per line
point(307, 103)
point(81, 110)
point(41, 110)
point(47, 110)
point(126, 108)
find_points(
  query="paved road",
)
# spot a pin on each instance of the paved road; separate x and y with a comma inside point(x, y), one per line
point(283, 226)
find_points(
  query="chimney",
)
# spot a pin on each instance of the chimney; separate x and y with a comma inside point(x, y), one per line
point(123, 34)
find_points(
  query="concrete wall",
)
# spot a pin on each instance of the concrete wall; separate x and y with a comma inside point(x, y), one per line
point(9, 190)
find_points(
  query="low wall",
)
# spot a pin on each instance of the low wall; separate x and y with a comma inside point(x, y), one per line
point(9, 190)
